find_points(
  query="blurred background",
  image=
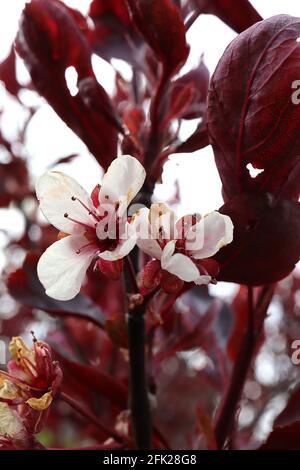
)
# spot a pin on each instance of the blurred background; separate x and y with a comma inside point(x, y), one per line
point(47, 139)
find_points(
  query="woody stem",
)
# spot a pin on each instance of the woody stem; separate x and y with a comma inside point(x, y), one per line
point(139, 396)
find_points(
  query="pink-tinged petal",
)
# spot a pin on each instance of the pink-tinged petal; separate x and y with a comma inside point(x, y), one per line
point(122, 181)
point(62, 267)
point(56, 192)
point(178, 264)
point(150, 247)
point(145, 239)
point(213, 232)
point(123, 249)
point(124, 246)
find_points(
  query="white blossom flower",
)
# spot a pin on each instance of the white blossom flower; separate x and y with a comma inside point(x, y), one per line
point(181, 244)
point(94, 230)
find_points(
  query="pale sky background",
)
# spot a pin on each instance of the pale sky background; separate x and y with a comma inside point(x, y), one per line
point(49, 139)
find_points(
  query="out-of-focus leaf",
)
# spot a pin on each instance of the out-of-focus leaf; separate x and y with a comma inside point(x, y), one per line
point(51, 39)
point(14, 179)
point(198, 140)
point(8, 73)
point(283, 438)
point(238, 16)
point(66, 159)
point(116, 328)
point(198, 78)
point(25, 287)
point(291, 412)
point(180, 103)
point(252, 118)
point(114, 34)
point(262, 298)
point(96, 380)
point(161, 24)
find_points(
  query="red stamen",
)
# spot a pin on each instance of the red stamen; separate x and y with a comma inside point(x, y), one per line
point(89, 227)
point(86, 208)
point(20, 383)
point(82, 248)
point(27, 364)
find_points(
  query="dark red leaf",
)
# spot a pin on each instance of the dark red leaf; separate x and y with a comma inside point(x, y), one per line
point(198, 77)
point(180, 103)
point(50, 39)
point(114, 33)
point(238, 17)
point(291, 412)
point(262, 299)
point(284, 438)
point(251, 115)
point(116, 328)
point(14, 179)
point(96, 380)
point(8, 73)
point(25, 287)
point(109, 297)
point(161, 24)
point(66, 159)
point(198, 140)
point(266, 244)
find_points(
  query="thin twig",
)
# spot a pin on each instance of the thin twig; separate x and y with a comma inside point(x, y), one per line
point(132, 274)
point(226, 416)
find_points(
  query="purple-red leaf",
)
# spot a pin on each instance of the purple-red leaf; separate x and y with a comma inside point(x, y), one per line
point(8, 73)
point(114, 34)
point(198, 77)
point(238, 17)
point(266, 241)
point(51, 39)
point(14, 179)
point(284, 438)
point(252, 118)
point(25, 287)
point(292, 410)
point(161, 24)
point(198, 140)
point(96, 380)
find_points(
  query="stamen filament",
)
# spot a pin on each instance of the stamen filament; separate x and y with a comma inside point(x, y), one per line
point(82, 247)
point(86, 208)
point(20, 383)
point(89, 227)
point(27, 364)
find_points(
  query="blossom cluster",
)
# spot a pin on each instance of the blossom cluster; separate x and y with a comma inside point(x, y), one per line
point(27, 389)
point(97, 229)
